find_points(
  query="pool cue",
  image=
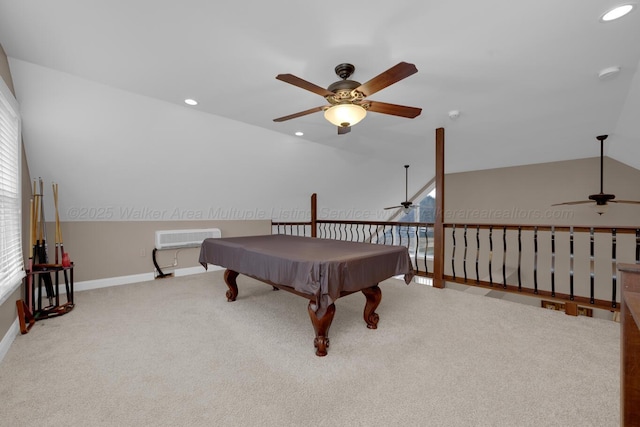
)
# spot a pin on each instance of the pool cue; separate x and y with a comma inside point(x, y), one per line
point(28, 291)
point(36, 239)
point(64, 257)
point(57, 238)
point(43, 258)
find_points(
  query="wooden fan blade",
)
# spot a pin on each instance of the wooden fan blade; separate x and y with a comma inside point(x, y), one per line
point(581, 202)
point(297, 81)
point(394, 109)
point(299, 114)
point(343, 129)
point(387, 78)
point(393, 207)
point(630, 202)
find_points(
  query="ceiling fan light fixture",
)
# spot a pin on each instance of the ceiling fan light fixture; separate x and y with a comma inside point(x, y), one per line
point(345, 115)
point(617, 12)
point(601, 209)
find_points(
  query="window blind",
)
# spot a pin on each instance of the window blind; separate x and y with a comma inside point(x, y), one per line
point(11, 262)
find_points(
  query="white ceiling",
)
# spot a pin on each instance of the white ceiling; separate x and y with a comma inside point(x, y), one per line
point(522, 74)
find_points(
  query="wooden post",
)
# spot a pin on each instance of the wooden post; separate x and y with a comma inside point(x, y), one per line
point(630, 345)
point(438, 232)
point(314, 215)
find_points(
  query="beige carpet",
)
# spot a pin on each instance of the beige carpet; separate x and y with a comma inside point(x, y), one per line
point(174, 352)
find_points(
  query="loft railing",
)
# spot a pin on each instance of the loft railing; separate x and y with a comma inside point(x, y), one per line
point(576, 266)
point(417, 237)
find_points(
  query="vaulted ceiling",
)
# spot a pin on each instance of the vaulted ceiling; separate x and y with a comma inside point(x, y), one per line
point(523, 75)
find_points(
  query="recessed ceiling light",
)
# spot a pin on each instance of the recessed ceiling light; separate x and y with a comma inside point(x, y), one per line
point(190, 101)
point(608, 72)
point(299, 133)
point(617, 12)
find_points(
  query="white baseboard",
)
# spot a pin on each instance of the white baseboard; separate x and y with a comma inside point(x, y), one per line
point(135, 278)
point(11, 335)
point(111, 281)
point(195, 270)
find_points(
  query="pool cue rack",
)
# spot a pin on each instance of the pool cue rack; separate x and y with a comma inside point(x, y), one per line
point(40, 271)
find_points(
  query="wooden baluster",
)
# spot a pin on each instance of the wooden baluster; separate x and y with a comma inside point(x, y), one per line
point(490, 254)
point(571, 263)
point(477, 253)
point(464, 261)
point(415, 253)
point(453, 251)
point(519, 258)
point(426, 248)
point(638, 246)
point(614, 269)
point(553, 261)
point(592, 263)
point(535, 260)
point(504, 257)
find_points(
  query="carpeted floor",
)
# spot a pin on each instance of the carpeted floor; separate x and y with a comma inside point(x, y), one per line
point(174, 352)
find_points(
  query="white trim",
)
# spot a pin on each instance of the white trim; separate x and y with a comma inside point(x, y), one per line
point(195, 270)
point(110, 281)
point(8, 339)
point(135, 278)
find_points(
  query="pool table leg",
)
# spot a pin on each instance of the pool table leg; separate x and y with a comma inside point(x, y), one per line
point(230, 280)
point(374, 296)
point(321, 326)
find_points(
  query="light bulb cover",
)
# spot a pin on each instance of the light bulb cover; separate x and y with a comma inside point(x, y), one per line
point(601, 209)
point(344, 115)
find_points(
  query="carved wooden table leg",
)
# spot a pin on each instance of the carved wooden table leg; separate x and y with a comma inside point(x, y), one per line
point(230, 280)
point(321, 326)
point(374, 296)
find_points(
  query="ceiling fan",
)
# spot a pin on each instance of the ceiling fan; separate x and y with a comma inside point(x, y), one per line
point(346, 98)
point(600, 198)
point(406, 205)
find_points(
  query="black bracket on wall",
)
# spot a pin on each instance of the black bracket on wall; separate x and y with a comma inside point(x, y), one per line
point(160, 275)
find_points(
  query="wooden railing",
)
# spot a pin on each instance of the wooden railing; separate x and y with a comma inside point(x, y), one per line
point(575, 266)
point(415, 236)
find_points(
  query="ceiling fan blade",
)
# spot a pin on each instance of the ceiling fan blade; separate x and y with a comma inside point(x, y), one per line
point(581, 202)
point(387, 78)
point(299, 114)
point(630, 202)
point(394, 109)
point(297, 81)
point(394, 207)
point(343, 129)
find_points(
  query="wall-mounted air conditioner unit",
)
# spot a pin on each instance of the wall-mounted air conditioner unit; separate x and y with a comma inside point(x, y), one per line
point(175, 239)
